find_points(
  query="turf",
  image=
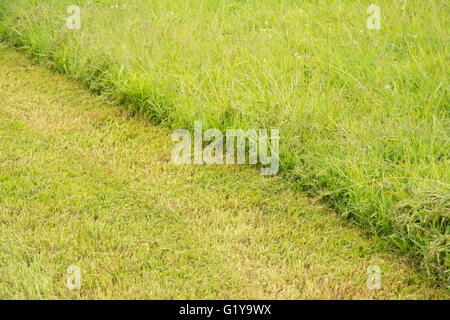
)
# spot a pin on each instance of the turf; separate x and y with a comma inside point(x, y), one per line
point(83, 183)
point(363, 114)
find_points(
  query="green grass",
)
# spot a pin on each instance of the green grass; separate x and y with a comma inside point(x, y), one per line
point(363, 114)
point(83, 183)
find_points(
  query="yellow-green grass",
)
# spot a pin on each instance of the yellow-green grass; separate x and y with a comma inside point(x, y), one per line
point(363, 114)
point(82, 183)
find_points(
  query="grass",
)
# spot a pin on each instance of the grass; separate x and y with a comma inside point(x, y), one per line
point(363, 114)
point(83, 183)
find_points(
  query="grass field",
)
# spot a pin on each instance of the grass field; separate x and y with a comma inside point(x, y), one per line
point(363, 114)
point(82, 183)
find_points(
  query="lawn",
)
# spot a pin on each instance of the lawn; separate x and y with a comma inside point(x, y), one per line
point(82, 183)
point(363, 114)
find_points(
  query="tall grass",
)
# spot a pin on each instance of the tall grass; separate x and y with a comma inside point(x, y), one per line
point(363, 114)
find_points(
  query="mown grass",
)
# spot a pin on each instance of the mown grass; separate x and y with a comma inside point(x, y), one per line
point(363, 114)
point(82, 183)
